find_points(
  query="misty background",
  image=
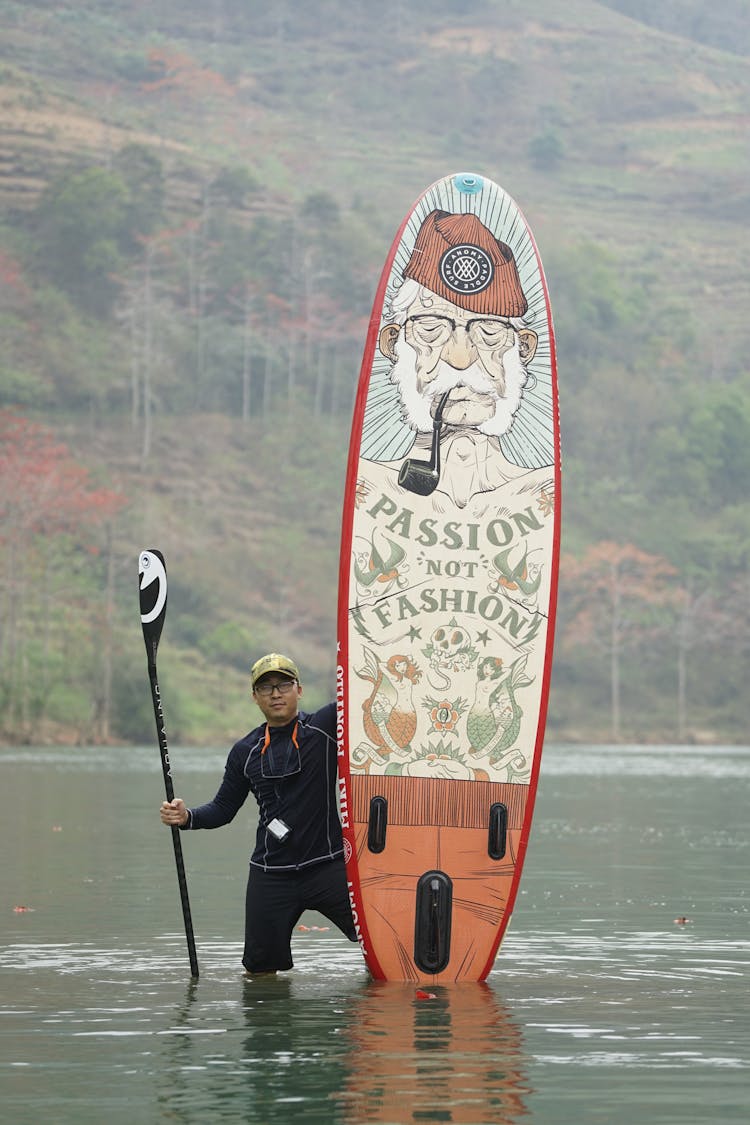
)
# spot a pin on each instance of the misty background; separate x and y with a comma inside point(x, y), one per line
point(197, 200)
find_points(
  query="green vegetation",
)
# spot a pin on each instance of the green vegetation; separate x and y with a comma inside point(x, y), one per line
point(197, 202)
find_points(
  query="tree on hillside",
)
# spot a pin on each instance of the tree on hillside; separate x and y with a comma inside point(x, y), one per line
point(48, 507)
point(81, 222)
point(703, 448)
point(19, 376)
point(141, 171)
point(546, 150)
point(618, 596)
point(700, 614)
point(90, 220)
point(153, 319)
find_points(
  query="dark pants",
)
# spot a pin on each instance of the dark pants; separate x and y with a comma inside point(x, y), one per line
point(274, 904)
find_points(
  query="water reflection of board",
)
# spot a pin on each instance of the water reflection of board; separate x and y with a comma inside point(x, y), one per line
point(447, 585)
point(454, 1055)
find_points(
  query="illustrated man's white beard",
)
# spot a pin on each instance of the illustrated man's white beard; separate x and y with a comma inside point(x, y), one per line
point(486, 398)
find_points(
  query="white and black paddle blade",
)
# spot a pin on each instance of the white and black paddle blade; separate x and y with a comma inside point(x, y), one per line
point(152, 576)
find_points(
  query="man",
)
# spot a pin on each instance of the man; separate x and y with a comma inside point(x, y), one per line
point(289, 764)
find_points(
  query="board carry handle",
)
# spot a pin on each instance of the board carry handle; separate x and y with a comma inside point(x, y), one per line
point(432, 929)
point(498, 833)
point(377, 824)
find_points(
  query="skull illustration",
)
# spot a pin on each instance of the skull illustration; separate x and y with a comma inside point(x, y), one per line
point(447, 642)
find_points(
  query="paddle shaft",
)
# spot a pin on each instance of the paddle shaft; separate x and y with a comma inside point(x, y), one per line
point(176, 842)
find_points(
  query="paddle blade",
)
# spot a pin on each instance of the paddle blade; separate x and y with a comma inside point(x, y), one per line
point(152, 575)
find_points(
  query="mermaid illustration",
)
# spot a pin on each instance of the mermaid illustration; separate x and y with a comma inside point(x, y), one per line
point(494, 720)
point(389, 714)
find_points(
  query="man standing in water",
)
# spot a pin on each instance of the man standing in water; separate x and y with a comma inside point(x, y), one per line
point(289, 763)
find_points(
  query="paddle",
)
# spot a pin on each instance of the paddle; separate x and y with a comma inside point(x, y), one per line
point(153, 590)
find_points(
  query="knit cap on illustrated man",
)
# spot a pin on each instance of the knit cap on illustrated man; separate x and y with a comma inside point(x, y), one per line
point(458, 258)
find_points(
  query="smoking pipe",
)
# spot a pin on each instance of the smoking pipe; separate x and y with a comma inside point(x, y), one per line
point(422, 477)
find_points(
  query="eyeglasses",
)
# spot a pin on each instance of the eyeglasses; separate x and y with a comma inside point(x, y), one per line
point(267, 690)
point(484, 332)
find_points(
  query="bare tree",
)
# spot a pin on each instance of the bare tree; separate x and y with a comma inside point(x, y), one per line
point(620, 596)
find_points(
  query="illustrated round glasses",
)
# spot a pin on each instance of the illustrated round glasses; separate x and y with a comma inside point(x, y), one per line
point(283, 688)
point(483, 332)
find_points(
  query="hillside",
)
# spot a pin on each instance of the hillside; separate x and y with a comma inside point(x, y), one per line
point(166, 167)
point(651, 127)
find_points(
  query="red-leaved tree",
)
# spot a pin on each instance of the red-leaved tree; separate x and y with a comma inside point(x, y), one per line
point(48, 509)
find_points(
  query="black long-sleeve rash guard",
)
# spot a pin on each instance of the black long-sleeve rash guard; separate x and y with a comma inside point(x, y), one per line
point(303, 797)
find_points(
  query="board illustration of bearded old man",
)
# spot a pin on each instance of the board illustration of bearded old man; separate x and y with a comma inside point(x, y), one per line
point(454, 392)
point(461, 351)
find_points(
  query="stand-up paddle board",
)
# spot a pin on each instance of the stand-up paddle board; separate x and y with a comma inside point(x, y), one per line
point(448, 577)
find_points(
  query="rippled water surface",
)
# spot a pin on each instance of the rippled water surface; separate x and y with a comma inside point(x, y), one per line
point(620, 993)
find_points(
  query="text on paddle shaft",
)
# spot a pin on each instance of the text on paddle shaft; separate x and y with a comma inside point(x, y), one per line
point(161, 731)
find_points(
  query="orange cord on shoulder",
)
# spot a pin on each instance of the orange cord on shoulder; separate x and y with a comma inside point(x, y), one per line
point(267, 738)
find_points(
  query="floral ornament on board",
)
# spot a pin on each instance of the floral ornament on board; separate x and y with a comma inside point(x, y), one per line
point(444, 715)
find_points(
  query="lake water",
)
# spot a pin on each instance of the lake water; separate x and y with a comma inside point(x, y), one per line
point(601, 1006)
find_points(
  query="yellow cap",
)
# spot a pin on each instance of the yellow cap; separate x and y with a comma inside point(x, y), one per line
point(273, 662)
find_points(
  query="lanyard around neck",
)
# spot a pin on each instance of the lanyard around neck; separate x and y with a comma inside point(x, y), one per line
point(267, 738)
